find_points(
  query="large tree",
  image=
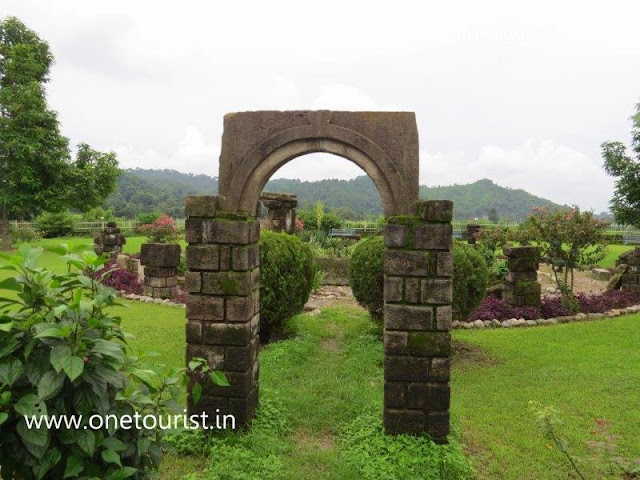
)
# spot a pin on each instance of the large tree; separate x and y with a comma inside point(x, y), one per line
point(620, 163)
point(36, 172)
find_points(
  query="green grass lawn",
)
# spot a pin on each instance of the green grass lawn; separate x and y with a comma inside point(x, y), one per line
point(613, 252)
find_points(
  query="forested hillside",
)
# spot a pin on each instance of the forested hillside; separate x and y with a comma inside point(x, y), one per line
point(164, 190)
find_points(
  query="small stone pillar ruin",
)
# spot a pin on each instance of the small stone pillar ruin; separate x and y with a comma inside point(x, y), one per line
point(629, 265)
point(521, 287)
point(470, 233)
point(281, 216)
point(223, 305)
point(160, 261)
point(109, 241)
point(418, 271)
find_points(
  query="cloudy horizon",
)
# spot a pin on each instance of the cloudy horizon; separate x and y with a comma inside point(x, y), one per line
point(521, 94)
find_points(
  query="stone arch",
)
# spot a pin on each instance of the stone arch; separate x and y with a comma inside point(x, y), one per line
point(223, 307)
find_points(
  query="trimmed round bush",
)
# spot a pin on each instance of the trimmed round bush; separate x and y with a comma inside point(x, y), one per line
point(58, 224)
point(366, 275)
point(287, 270)
point(470, 276)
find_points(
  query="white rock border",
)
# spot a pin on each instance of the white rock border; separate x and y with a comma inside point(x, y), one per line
point(145, 299)
point(521, 322)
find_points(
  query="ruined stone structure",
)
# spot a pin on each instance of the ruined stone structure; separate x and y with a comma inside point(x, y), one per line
point(223, 261)
point(160, 261)
point(521, 287)
point(628, 270)
point(109, 241)
point(281, 216)
point(470, 233)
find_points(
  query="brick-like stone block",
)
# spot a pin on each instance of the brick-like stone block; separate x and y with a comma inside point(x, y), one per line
point(440, 369)
point(226, 333)
point(160, 272)
point(443, 318)
point(394, 395)
point(395, 343)
point(435, 210)
point(392, 289)
point(437, 291)
point(396, 236)
point(412, 289)
point(526, 264)
point(240, 385)
point(194, 331)
point(521, 252)
point(436, 236)
point(244, 257)
point(203, 257)
point(227, 231)
point(155, 282)
point(513, 277)
point(239, 309)
point(406, 263)
point(407, 317)
point(226, 283)
point(213, 355)
point(201, 307)
point(160, 255)
point(428, 396)
point(438, 425)
point(200, 206)
point(240, 359)
point(225, 257)
point(243, 409)
point(193, 282)
point(194, 229)
point(444, 264)
point(429, 344)
point(404, 421)
point(406, 369)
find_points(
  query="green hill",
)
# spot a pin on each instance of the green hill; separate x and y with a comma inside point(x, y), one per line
point(164, 190)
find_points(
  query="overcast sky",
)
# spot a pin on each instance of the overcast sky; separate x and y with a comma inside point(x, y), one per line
point(522, 93)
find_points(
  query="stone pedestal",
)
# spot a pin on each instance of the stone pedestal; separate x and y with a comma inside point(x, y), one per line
point(521, 287)
point(470, 233)
point(223, 305)
point(160, 261)
point(281, 216)
point(417, 320)
point(109, 241)
point(630, 280)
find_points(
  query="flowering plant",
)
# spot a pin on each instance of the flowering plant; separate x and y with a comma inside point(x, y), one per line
point(161, 230)
point(299, 225)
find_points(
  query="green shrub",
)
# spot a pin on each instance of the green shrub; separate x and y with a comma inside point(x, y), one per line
point(63, 353)
point(366, 275)
point(146, 218)
point(53, 225)
point(22, 235)
point(470, 276)
point(287, 270)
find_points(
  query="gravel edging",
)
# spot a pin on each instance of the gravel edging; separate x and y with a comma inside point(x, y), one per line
point(521, 322)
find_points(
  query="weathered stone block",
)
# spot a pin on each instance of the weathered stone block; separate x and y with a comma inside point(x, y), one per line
point(526, 264)
point(160, 255)
point(406, 263)
point(438, 425)
point(226, 333)
point(407, 317)
point(239, 309)
point(396, 236)
point(193, 229)
point(203, 257)
point(521, 252)
point(440, 369)
point(226, 283)
point(437, 291)
point(428, 396)
point(213, 355)
point(444, 264)
point(406, 369)
point(225, 257)
point(412, 290)
point(201, 307)
point(194, 331)
point(240, 359)
point(392, 289)
point(429, 344)
point(513, 277)
point(228, 231)
point(395, 343)
point(193, 282)
point(160, 272)
point(443, 318)
point(435, 210)
point(404, 421)
point(244, 258)
point(433, 237)
point(240, 385)
point(155, 282)
point(394, 395)
point(200, 206)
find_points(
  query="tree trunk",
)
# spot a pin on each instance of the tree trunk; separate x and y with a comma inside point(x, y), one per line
point(4, 230)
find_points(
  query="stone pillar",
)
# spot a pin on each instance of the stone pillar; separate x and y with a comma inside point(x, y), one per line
point(160, 261)
point(109, 241)
point(630, 280)
point(521, 287)
point(281, 216)
point(470, 233)
point(223, 305)
point(417, 321)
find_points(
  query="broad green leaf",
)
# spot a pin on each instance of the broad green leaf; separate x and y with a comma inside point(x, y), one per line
point(35, 436)
point(74, 368)
point(55, 332)
point(11, 371)
point(6, 326)
point(193, 364)
point(114, 444)
point(10, 284)
point(60, 357)
point(5, 397)
point(196, 392)
point(87, 442)
point(122, 473)
point(110, 456)
point(50, 460)
point(3, 417)
point(219, 378)
point(29, 405)
point(146, 376)
point(75, 465)
point(59, 249)
point(8, 267)
point(50, 384)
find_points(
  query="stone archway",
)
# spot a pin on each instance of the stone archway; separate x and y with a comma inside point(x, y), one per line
point(222, 280)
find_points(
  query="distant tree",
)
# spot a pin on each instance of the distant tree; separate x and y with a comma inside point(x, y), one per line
point(625, 204)
point(36, 172)
point(493, 215)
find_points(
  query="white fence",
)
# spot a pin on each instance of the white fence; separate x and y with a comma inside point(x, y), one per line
point(89, 228)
